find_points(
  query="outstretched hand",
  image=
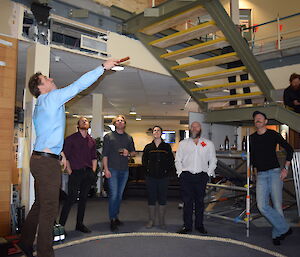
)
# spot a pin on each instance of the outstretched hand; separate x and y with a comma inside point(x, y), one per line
point(110, 63)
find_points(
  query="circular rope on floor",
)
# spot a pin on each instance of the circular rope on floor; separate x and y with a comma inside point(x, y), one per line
point(171, 235)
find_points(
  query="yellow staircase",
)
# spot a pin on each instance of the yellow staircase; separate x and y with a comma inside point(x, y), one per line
point(204, 68)
point(220, 91)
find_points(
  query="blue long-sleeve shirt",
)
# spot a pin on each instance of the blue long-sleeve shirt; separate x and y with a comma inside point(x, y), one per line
point(49, 116)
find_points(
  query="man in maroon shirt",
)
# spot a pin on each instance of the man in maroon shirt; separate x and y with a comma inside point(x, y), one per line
point(80, 152)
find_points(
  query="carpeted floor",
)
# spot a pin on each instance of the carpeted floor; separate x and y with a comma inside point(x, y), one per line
point(161, 245)
point(101, 242)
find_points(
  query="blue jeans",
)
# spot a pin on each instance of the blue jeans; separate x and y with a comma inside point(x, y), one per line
point(116, 185)
point(269, 185)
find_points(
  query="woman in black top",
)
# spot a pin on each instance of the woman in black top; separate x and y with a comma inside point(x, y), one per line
point(158, 160)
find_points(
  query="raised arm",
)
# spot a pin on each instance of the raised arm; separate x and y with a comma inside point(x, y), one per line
point(63, 95)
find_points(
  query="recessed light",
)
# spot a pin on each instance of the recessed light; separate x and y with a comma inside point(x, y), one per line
point(167, 103)
point(132, 111)
point(57, 58)
point(138, 117)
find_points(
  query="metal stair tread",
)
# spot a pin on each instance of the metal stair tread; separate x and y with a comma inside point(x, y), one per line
point(185, 35)
point(196, 49)
point(232, 97)
point(208, 62)
point(217, 74)
point(232, 85)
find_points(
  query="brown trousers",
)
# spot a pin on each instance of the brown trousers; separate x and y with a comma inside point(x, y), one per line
point(47, 181)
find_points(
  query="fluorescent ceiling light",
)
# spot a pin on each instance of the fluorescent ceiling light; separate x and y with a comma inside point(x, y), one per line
point(82, 115)
point(138, 117)
point(132, 111)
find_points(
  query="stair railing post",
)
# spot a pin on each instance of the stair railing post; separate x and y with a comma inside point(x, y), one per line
point(248, 185)
point(296, 176)
point(278, 33)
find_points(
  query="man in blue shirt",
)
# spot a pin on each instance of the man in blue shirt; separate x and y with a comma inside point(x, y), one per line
point(45, 166)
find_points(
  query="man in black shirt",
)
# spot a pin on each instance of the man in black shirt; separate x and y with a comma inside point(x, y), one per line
point(291, 94)
point(269, 175)
point(117, 147)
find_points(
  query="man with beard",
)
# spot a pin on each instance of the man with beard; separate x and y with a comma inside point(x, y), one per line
point(270, 176)
point(195, 161)
point(80, 151)
point(117, 147)
point(291, 94)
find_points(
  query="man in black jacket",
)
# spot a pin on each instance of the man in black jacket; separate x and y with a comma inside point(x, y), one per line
point(291, 94)
point(158, 161)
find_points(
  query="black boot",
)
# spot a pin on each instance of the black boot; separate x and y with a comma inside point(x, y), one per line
point(82, 228)
point(113, 225)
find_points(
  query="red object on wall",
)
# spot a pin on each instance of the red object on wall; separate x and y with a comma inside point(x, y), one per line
point(256, 28)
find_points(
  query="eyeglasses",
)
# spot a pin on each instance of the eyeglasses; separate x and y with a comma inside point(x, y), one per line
point(123, 121)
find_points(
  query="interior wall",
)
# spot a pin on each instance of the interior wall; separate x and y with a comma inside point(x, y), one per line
point(138, 132)
point(280, 76)
point(263, 11)
point(119, 46)
point(9, 14)
point(137, 129)
point(8, 54)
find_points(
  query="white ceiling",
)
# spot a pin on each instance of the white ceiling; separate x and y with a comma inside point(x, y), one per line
point(150, 93)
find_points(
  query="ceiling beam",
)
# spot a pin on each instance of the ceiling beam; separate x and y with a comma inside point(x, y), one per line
point(164, 10)
point(243, 115)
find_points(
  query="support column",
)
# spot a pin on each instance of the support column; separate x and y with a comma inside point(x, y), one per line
point(98, 125)
point(38, 59)
point(235, 11)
